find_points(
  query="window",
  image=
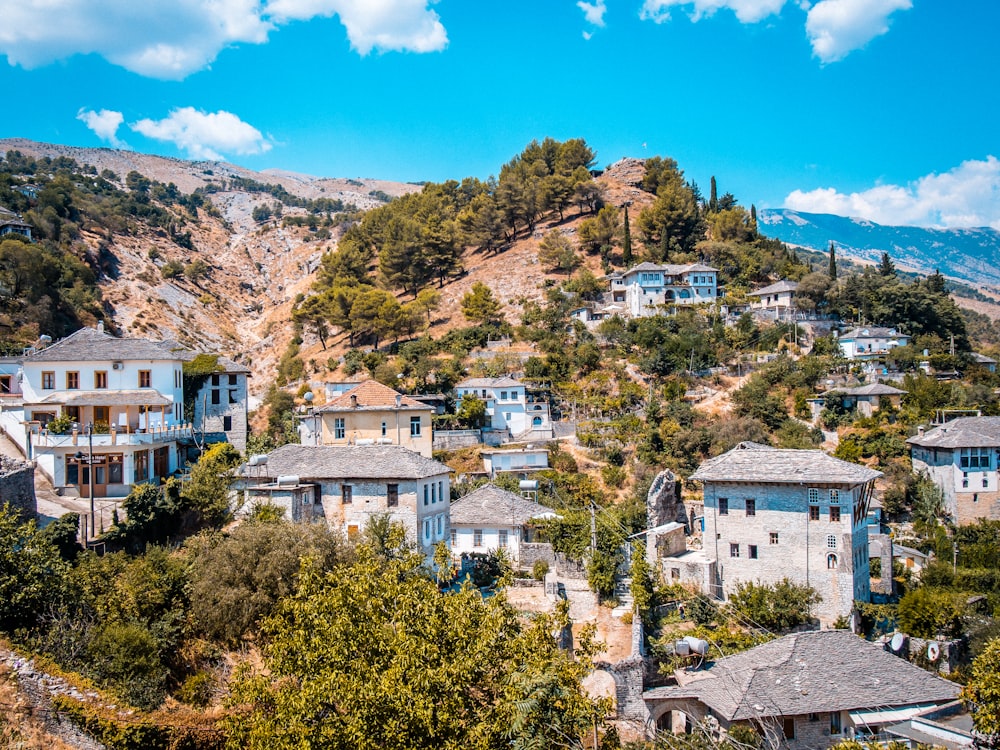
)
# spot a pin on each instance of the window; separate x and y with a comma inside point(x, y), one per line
point(503, 395)
point(834, 513)
point(502, 539)
point(141, 460)
point(72, 470)
point(339, 429)
point(306, 500)
point(734, 550)
point(101, 379)
point(383, 428)
point(414, 426)
point(101, 414)
point(834, 497)
point(774, 537)
point(477, 537)
point(454, 536)
point(48, 381)
point(751, 506)
point(831, 541)
point(440, 525)
point(227, 424)
point(788, 727)
point(427, 494)
point(723, 506)
point(441, 491)
point(434, 493)
point(813, 495)
point(986, 482)
point(72, 381)
point(145, 378)
point(834, 722)
point(752, 551)
point(215, 395)
point(346, 494)
point(427, 529)
point(233, 399)
point(5, 381)
point(831, 562)
point(974, 458)
point(115, 469)
point(392, 495)
point(814, 512)
point(215, 380)
point(233, 380)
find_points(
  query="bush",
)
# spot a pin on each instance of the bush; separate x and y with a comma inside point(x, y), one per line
point(539, 570)
point(171, 269)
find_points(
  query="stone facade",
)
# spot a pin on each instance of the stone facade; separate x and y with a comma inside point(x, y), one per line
point(663, 503)
point(17, 486)
point(220, 409)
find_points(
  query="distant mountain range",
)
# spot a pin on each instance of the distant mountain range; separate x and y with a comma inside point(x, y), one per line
point(972, 255)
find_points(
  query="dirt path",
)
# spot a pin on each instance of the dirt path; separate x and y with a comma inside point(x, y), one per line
point(719, 403)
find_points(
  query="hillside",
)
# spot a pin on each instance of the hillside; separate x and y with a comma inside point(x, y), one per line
point(972, 255)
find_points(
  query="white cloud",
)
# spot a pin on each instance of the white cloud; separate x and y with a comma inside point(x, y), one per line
point(838, 27)
point(205, 135)
point(105, 124)
point(747, 11)
point(171, 39)
point(966, 196)
point(593, 12)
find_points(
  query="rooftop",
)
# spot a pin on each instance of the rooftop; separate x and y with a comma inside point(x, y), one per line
point(371, 394)
point(90, 344)
point(872, 332)
point(776, 288)
point(490, 505)
point(811, 672)
point(671, 269)
point(872, 389)
point(752, 462)
point(504, 382)
point(964, 432)
point(346, 462)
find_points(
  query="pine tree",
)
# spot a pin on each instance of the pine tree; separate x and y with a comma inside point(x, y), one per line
point(832, 273)
point(627, 243)
point(713, 200)
point(886, 267)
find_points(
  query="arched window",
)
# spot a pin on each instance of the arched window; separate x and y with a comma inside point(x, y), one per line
point(831, 562)
point(536, 422)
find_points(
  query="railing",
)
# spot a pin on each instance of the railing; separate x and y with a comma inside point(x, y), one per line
point(46, 439)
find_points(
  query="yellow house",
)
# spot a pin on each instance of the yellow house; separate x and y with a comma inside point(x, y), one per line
point(374, 414)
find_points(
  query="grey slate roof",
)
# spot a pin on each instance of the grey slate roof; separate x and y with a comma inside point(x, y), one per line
point(751, 462)
point(90, 345)
point(872, 389)
point(503, 382)
point(982, 359)
point(776, 288)
point(812, 672)
point(965, 432)
point(490, 505)
point(226, 365)
point(146, 397)
point(872, 332)
point(670, 269)
point(356, 462)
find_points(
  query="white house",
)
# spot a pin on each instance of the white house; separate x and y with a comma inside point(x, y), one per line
point(798, 514)
point(647, 288)
point(122, 397)
point(514, 460)
point(490, 518)
point(348, 485)
point(777, 296)
point(961, 458)
point(508, 405)
point(871, 342)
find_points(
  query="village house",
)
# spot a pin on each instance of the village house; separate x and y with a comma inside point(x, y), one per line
point(519, 461)
point(346, 486)
point(775, 513)
point(372, 414)
point(508, 407)
point(803, 691)
point(987, 363)
point(646, 289)
point(221, 405)
point(961, 458)
point(866, 399)
point(778, 297)
point(871, 342)
point(490, 518)
point(11, 223)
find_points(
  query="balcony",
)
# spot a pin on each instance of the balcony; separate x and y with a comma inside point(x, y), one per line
point(154, 436)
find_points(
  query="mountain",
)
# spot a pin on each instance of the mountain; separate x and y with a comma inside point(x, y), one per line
point(972, 255)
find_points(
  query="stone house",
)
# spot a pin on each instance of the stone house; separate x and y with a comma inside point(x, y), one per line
point(961, 457)
point(647, 288)
point(775, 513)
point(221, 404)
point(373, 414)
point(490, 518)
point(866, 399)
point(351, 484)
point(802, 691)
point(777, 296)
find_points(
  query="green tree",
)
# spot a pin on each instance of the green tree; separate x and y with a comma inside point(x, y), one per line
point(627, 243)
point(556, 251)
point(31, 570)
point(886, 267)
point(776, 607)
point(480, 306)
point(982, 695)
point(472, 412)
point(207, 491)
point(832, 268)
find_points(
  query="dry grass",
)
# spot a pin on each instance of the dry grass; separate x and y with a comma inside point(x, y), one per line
point(20, 726)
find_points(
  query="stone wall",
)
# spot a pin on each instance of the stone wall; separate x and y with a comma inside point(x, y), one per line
point(17, 486)
point(450, 440)
point(532, 552)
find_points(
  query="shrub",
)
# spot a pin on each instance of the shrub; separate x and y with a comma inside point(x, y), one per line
point(539, 570)
point(171, 269)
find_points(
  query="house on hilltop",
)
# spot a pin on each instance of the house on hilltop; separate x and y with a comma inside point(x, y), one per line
point(11, 223)
point(776, 513)
point(805, 690)
point(647, 288)
point(509, 408)
point(871, 342)
point(961, 457)
point(347, 486)
point(779, 296)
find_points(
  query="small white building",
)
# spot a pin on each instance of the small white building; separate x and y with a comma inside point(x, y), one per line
point(777, 296)
point(351, 485)
point(648, 288)
point(490, 518)
point(508, 406)
point(961, 457)
point(775, 513)
point(871, 342)
point(520, 461)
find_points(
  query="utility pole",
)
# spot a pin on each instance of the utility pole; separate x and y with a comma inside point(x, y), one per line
point(593, 527)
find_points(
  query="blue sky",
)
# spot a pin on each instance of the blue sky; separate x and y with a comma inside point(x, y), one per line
point(885, 109)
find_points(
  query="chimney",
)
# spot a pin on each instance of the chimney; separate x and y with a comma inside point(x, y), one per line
point(920, 431)
point(100, 326)
point(399, 400)
point(354, 401)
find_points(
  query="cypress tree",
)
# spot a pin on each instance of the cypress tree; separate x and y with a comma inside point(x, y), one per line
point(713, 200)
point(832, 272)
point(627, 243)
